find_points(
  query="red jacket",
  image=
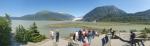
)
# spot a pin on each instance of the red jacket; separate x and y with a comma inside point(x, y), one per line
point(86, 44)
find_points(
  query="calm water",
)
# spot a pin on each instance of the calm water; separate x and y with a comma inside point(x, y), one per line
point(43, 26)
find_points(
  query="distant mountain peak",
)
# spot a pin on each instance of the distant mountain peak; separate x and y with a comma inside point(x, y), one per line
point(46, 15)
point(112, 6)
point(103, 11)
point(45, 12)
point(112, 13)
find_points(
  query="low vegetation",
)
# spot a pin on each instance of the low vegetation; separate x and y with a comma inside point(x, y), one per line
point(96, 25)
point(145, 33)
point(101, 25)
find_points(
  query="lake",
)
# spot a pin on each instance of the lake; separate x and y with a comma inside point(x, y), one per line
point(43, 26)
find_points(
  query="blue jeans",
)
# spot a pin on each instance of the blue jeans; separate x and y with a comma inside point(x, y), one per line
point(90, 38)
point(81, 38)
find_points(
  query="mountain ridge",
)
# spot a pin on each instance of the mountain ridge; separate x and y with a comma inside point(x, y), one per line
point(45, 15)
point(112, 13)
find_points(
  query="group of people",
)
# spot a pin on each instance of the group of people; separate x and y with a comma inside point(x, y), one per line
point(85, 36)
point(54, 36)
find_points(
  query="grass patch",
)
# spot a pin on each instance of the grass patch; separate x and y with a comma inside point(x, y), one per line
point(101, 25)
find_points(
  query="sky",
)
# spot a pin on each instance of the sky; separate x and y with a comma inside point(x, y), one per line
point(77, 8)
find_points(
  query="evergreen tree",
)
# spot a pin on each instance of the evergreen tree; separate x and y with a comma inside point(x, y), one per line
point(8, 18)
point(21, 35)
point(33, 28)
point(5, 30)
point(34, 34)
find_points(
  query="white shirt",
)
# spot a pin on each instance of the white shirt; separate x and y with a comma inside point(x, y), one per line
point(52, 33)
point(76, 33)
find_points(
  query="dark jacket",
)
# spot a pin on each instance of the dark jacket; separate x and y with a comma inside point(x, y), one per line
point(132, 36)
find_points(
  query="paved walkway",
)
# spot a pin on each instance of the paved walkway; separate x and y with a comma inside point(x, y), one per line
point(95, 42)
point(48, 42)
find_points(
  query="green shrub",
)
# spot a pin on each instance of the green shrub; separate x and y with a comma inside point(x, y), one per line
point(143, 35)
point(37, 38)
point(104, 31)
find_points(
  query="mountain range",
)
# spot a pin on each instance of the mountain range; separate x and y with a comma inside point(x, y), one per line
point(45, 15)
point(114, 14)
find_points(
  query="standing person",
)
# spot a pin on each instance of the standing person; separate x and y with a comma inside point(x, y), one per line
point(86, 33)
point(57, 36)
point(89, 36)
point(80, 36)
point(132, 38)
point(110, 30)
point(76, 35)
point(83, 32)
point(52, 35)
point(113, 33)
point(93, 34)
